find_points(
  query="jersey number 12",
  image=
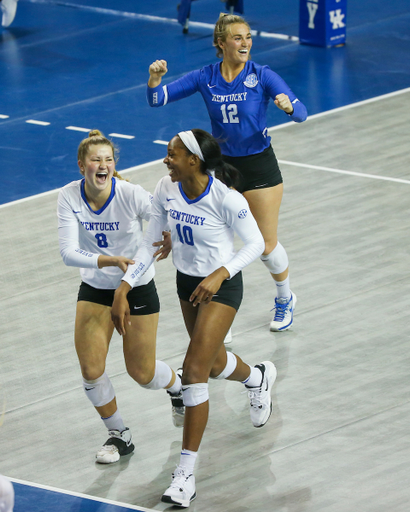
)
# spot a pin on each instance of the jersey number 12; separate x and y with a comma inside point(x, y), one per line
point(230, 113)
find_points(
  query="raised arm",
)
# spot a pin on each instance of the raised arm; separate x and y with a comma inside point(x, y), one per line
point(283, 97)
point(158, 95)
point(156, 71)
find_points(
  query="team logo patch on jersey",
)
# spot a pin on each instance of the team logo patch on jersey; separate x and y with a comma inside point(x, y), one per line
point(251, 80)
point(242, 214)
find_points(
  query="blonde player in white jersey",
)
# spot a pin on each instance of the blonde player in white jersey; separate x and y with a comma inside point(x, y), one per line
point(100, 228)
point(203, 214)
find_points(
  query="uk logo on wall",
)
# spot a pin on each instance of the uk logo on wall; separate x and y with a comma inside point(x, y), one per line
point(322, 22)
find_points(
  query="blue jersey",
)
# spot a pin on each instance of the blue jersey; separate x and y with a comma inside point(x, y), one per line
point(237, 109)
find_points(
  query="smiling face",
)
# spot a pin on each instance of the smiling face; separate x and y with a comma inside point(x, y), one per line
point(237, 45)
point(180, 163)
point(98, 168)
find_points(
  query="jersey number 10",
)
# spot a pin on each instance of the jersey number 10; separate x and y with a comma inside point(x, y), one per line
point(185, 235)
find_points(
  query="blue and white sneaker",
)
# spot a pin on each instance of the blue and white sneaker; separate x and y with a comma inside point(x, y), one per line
point(283, 313)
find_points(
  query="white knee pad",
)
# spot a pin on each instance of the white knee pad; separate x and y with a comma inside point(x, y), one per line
point(99, 391)
point(195, 394)
point(277, 260)
point(162, 377)
point(230, 366)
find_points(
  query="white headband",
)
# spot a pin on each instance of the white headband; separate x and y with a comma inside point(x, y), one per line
point(190, 142)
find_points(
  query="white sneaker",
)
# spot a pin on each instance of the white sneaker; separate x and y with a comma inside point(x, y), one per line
point(118, 444)
point(178, 408)
point(259, 397)
point(182, 489)
point(228, 337)
point(283, 313)
point(9, 8)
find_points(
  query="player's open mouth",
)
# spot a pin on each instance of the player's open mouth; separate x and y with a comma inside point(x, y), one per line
point(102, 177)
point(243, 52)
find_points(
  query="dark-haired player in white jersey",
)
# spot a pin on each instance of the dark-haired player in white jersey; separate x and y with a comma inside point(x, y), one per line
point(203, 213)
point(100, 229)
point(237, 92)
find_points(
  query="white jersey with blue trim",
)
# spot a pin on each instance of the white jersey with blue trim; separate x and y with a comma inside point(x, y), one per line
point(237, 109)
point(114, 230)
point(202, 230)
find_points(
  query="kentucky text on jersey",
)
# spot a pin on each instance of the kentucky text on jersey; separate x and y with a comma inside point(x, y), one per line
point(101, 226)
point(139, 270)
point(241, 96)
point(84, 253)
point(187, 217)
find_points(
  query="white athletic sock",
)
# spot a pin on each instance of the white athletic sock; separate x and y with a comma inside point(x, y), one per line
point(176, 386)
point(283, 289)
point(255, 378)
point(114, 422)
point(187, 461)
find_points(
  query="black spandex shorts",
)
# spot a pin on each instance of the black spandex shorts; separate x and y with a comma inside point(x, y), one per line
point(230, 292)
point(143, 300)
point(257, 171)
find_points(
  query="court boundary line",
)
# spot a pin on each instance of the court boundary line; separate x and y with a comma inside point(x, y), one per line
point(80, 495)
point(273, 128)
point(344, 107)
point(350, 173)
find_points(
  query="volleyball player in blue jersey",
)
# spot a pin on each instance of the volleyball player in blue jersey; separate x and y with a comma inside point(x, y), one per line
point(236, 92)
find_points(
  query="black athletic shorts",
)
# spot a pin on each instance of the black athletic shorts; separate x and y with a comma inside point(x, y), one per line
point(143, 300)
point(257, 171)
point(230, 292)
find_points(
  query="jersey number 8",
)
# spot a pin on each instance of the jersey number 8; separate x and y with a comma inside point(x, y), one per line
point(101, 240)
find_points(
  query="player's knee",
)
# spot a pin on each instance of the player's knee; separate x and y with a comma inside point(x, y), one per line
point(91, 372)
point(195, 394)
point(227, 370)
point(143, 376)
point(194, 372)
point(99, 391)
point(277, 260)
point(158, 377)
